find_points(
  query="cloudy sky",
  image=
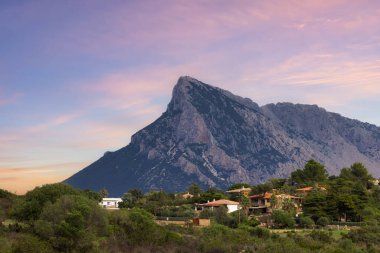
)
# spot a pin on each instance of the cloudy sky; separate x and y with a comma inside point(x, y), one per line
point(78, 78)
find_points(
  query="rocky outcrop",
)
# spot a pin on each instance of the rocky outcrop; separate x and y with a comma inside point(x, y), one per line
point(211, 137)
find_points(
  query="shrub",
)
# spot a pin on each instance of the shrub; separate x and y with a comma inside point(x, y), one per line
point(282, 219)
point(72, 223)
point(306, 222)
point(323, 221)
point(366, 234)
point(321, 236)
point(31, 244)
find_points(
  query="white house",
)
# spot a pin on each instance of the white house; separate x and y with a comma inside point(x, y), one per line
point(232, 206)
point(110, 203)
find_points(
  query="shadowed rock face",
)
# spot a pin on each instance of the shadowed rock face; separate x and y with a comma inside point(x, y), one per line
point(211, 137)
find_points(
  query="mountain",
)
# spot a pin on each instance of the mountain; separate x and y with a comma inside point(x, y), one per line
point(212, 137)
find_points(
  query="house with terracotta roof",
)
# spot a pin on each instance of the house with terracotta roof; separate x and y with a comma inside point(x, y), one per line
point(232, 206)
point(304, 191)
point(262, 203)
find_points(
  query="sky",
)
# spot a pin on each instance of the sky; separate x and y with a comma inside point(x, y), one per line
point(79, 78)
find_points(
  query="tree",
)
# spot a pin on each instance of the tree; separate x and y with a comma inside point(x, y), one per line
point(261, 188)
point(103, 193)
point(315, 204)
point(131, 198)
point(211, 194)
point(357, 172)
point(194, 189)
point(282, 219)
point(277, 183)
point(30, 207)
point(72, 223)
point(313, 172)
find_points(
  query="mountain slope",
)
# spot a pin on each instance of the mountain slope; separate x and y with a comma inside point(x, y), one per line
point(210, 136)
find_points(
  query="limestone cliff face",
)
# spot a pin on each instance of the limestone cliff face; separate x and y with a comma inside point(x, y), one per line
point(211, 137)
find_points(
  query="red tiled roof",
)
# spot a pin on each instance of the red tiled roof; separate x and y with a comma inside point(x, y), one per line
point(220, 202)
point(306, 189)
point(266, 195)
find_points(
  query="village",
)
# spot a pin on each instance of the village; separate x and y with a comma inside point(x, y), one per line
point(308, 198)
point(240, 200)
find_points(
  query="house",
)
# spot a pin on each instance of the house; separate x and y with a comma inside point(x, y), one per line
point(262, 203)
point(110, 203)
point(187, 196)
point(304, 191)
point(232, 206)
point(243, 191)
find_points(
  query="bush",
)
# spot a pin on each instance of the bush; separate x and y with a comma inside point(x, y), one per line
point(206, 214)
point(282, 219)
point(31, 206)
point(306, 222)
point(31, 244)
point(323, 221)
point(72, 223)
point(321, 236)
point(137, 227)
point(253, 222)
point(260, 232)
point(365, 234)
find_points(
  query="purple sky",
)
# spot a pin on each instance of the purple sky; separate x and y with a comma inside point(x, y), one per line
point(78, 78)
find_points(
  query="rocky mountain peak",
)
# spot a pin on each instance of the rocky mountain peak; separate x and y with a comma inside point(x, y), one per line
point(215, 138)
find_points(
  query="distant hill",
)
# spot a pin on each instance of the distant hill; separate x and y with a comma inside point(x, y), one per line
point(211, 137)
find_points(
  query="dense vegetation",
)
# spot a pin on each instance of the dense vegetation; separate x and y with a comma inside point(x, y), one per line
point(59, 218)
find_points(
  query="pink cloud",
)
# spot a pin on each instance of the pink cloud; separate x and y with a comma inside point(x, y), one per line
point(54, 122)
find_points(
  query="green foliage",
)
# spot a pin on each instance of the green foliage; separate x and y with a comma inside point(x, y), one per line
point(261, 188)
point(306, 222)
point(323, 221)
point(194, 189)
point(185, 210)
point(282, 219)
point(211, 194)
point(321, 236)
point(30, 206)
point(357, 172)
point(315, 204)
point(6, 194)
point(31, 244)
point(206, 214)
point(131, 198)
point(58, 218)
point(72, 223)
point(366, 235)
point(252, 222)
point(136, 227)
point(277, 183)
point(313, 172)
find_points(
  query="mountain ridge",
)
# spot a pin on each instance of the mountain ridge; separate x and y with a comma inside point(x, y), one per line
point(214, 138)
